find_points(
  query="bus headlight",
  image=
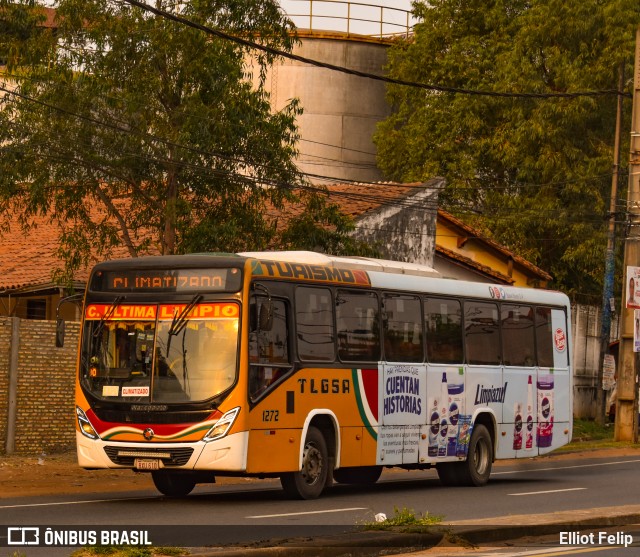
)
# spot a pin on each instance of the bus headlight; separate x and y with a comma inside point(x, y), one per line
point(85, 425)
point(222, 426)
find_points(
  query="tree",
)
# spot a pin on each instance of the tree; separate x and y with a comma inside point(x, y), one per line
point(532, 172)
point(131, 129)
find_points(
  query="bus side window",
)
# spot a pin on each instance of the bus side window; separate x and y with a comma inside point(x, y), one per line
point(315, 331)
point(268, 349)
point(544, 337)
point(517, 335)
point(482, 333)
point(357, 315)
point(443, 323)
point(402, 328)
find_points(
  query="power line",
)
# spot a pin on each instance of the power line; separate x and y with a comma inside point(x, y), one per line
point(342, 69)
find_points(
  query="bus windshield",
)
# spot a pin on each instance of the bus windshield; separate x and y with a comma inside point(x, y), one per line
point(167, 353)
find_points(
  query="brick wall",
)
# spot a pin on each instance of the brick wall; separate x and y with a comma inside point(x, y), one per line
point(46, 374)
point(5, 354)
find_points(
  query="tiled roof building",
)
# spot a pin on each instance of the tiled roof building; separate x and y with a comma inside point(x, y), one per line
point(402, 219)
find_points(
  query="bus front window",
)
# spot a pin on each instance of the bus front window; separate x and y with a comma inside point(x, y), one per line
point(155, 361)
point(117, 357)
point(201, 358)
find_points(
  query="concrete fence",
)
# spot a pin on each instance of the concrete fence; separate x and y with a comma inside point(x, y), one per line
point(586, 324)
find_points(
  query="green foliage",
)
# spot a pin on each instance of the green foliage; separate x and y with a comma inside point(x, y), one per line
point(405, 520)
point(534, 173)
point(320, 226)
point(139, 132)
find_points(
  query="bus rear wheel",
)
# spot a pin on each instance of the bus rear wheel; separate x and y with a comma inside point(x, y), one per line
point(309, 482)
point(480, 457)
point(172, 483)
point(474, 471)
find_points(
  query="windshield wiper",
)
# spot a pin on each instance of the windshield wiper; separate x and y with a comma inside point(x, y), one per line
point(179, 321)
point(108, 314)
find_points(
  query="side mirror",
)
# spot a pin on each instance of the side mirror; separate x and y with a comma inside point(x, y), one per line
point(60, 328)
point(266, 316)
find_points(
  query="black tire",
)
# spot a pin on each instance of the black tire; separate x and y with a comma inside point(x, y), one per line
point(172, 483)
point(359, 475)
point(474, 471)
point(477, 467)
point(309, 482)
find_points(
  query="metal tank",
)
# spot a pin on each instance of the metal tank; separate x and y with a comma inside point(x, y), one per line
point(340, 111)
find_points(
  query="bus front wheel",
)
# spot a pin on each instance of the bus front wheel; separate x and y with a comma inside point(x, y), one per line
point(172, 483)
point(309, 482)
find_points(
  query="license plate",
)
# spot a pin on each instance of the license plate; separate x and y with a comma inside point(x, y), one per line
point(147, 464)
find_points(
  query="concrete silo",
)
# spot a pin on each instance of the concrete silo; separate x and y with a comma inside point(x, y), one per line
point(340, 111)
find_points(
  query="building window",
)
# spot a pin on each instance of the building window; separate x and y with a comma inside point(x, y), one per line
point(37, 308)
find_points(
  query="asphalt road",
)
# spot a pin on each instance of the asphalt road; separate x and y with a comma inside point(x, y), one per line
point(221, 515)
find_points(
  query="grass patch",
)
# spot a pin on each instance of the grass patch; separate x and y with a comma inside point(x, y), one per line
point(406, 521)
point(589, 435)
point(130, 551)
point(590, 430)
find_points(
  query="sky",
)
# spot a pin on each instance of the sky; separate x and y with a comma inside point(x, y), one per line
point(364, 15)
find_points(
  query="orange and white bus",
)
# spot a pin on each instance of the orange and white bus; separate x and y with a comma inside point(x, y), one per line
point(314, 369)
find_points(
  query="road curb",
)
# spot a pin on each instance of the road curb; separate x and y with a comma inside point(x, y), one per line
point(355, 544)
point(373, 543)
point(519, 526)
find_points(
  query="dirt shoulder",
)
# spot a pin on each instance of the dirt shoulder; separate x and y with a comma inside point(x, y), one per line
point(24, 476)
point(59, 474)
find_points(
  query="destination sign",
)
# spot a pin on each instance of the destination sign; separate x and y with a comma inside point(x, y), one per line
point(129, 312)
point(167, 280)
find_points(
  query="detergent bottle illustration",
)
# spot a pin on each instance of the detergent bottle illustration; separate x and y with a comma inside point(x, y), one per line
point(528, 436)
point(456, 411)
point(544, 436)
point(444, 421)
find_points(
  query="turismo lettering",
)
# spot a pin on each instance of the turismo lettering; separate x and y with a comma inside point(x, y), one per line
point(301, 271)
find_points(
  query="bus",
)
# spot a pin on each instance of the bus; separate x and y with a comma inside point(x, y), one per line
point(314, 369)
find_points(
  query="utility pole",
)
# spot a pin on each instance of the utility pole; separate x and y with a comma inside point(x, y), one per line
point(610, 261)
point(627, 402)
